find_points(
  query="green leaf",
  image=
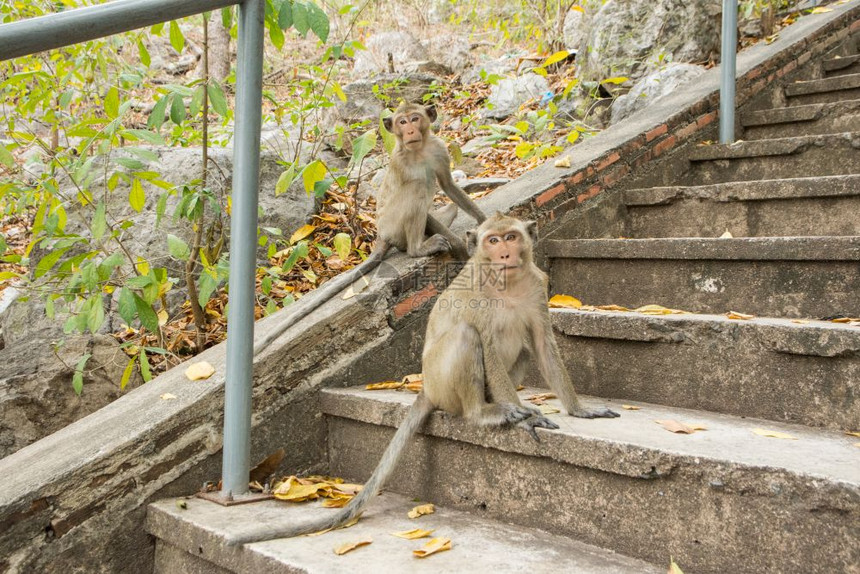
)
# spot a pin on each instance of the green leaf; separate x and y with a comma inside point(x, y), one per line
point(127, 307)
point(557, 57)
point(95, 313)
point(136, 196)
point(388, 139)
point(147, 136)
point(313, 173)
point(362, 145)
point(227, 17)
point(146, 314)
point(144, 54)
point(177, 40)
point(216, 96)
point(129, 163)
point(126, 374)
point(318, 21)
point(156, 116)
point(285, 15)
point(4, 275)
point(300, 17)
point(197, 100)
point(343, 245)
point(78, 377)
point(45, 263)
point(572, 137)
point(276, 34)
point(178, 248)
point(50, 311)
point(177, 109)
point(6, 157)
point(205, 287)
point(140, 281)
point(160, 208)
point(144, 366)
point(323, 186)
point(99, 222)
point(616, 80)
point(285, 180)
point(112, 102)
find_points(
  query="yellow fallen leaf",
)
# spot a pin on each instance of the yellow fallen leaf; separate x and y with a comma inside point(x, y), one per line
point(563, 162)
point(852, 433)
point(773, 434)
point(350, 546)
point(845, 320)
point(800, 321)
point(631, 408)
point(168, 397)
point(435, 545)
point(578, 9)
point(328, 218)
point(301, 233)
point(413, 534)
point(739, 316)
point(383, 386)
point(564, 302)
point(540, 398)
point(674, 568)
point(294, 491)
point(421, 510)
point(360, 285)
point(679, 427)
point(413, 378)
point(338, 502)
point(199, 371)
point(548, 409)
point(659, 310)
point(821, 10)
point(162, 317)
point(727, 235)
point(611, 308)
point(414, 386)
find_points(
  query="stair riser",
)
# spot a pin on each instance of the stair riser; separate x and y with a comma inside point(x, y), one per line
point(823, 97)
point(794, 289)
point(812, 161)
point(736, 525)
point(766, 218)
point(854, 68)
point(826, 125)
point(736, 368)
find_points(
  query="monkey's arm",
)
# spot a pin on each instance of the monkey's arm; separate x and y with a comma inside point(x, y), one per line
point(311, 301)
point(458, 247)
point(555, 375)
point(452, 190)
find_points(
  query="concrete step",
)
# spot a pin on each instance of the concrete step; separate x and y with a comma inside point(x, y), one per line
point(841, 66)
point(777, 369)
point(794, 277)
point(811, 119)
point(833, 89)
point(720, 500)
point(780, 207)
point(816, 155)
point(194, 540)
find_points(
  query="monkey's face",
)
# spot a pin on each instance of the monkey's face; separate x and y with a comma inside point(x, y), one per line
point(410, 129)
point(504, 248)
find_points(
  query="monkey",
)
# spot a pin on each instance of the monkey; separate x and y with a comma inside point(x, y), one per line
point(481, 332)
point(418, 161)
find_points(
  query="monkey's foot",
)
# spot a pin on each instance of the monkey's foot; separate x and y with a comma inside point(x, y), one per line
point(535, 421)
point(515, 414)
point(596, 413)
point(435, 244)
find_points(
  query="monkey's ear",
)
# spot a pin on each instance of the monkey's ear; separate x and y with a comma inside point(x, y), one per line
point(388, 123)
point(531, 227)
point(431, 113)
point(471, 242)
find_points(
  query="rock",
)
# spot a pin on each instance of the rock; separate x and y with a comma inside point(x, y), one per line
point(503, 66)
point(573, 33)
point(451, 51)
point(36, 394)
point(634, 37)
point(402, 46)
point(509, 94)
point(651, 88)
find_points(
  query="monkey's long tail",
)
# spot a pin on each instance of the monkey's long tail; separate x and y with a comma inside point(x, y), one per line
point(307, 304)
point(419, 412)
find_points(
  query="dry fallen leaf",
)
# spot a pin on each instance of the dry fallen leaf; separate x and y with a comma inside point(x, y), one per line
point(852, 433)
point(168, 397)
point(800, 321)
point(679, 427)
point(611, 308)
point(413, 534)
point(563, 162)
point(631, 408)
point(659, 310)
point(739, 316)
point(414, 378)
point(548, 409)
point(421, 510)
point(674, 568)
point(541, 398)
point(267, 466)
point(727, 235)
point(383, 386)
point(821, 10)
point(349, 546)
point(433, 546)
point(360, 285)
point(564, 302)
point(773, 434)
point(163, 317)
point(199, 371)
point(301, 233)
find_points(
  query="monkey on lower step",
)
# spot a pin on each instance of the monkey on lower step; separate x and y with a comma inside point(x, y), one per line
point(480, 335)
point(403, 218)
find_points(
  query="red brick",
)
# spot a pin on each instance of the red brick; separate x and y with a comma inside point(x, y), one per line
point(855, 26)
point(614, 175)
point(550, 194)
point(641, 160)
point(414, 301)
point(656, 132)
point(804, 58)
point(664, 145)
point(687, 131)
point(578, 176)
point(592, 191)
point(631, 146)
point(706, 119)
point(613, 157)
point(752, 75)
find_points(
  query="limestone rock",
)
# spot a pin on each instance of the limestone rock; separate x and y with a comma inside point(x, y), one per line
point(509, 94)
point(402, 46)
point(651, 88)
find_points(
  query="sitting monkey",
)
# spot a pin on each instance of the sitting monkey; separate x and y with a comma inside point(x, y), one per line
point(419, 160)
point(480, 334)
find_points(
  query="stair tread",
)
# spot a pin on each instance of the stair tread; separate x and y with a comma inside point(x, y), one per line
point(634, 444)
point(494, 546)
point(807, 112)
point(807, 248)
point(770, 147)
point(835, 83)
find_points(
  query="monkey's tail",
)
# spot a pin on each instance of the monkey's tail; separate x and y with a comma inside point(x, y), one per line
point(307, 304)
point(419, 412)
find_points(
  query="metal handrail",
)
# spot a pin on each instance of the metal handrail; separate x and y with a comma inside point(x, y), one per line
point(728, 70)
point(79, 25)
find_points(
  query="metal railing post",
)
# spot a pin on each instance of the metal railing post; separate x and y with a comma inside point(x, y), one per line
point(243, 244)
point(728, 67)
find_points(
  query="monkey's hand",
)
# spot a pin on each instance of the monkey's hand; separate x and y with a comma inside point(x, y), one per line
point(437, 244)
point(536, 421)
point(515, 414)
point(597, 413)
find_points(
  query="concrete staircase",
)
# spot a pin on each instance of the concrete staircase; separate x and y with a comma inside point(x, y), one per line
point(625, 495)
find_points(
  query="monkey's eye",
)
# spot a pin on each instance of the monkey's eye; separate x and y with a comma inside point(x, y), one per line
point(416, 118)
point(510, 237)
point(493, 240)
point(402, 121)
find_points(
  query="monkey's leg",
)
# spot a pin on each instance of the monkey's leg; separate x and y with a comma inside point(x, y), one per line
point(457, 246)
point(417, 246)
point(445, 215)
